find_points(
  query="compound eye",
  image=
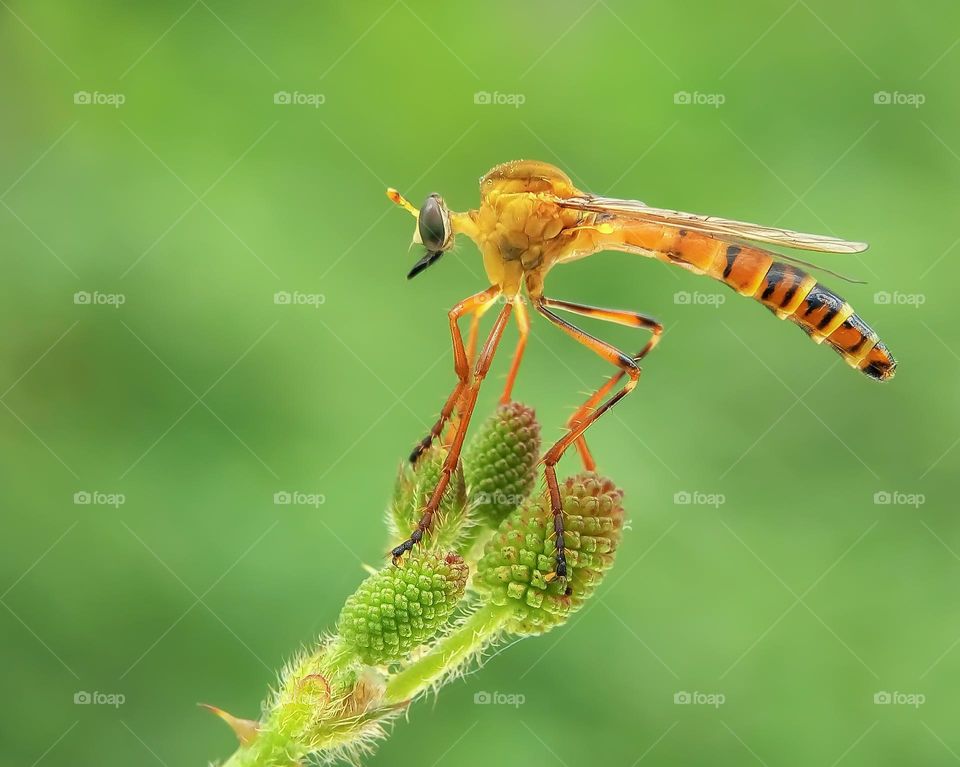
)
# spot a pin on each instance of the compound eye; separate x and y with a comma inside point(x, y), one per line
point(432, 223)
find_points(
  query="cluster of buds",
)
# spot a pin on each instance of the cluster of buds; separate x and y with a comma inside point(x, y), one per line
point(483, 574)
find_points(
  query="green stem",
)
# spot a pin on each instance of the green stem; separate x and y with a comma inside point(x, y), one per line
point(449, 654)
point(277, 743)
point(264, 751)
point(274, 747)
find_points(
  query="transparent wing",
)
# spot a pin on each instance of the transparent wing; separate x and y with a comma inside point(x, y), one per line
point(713, 225)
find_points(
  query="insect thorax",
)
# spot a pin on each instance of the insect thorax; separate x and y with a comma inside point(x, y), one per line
point(524, 231)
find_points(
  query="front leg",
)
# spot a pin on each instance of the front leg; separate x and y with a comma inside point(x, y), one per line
point(470, 391)
point(523, 327)
point(477, 303)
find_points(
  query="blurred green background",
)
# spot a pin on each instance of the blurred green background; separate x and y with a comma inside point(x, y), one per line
point(798, 599)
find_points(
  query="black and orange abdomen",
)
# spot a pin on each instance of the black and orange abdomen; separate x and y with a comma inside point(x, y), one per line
point(793, 294)
point(789, 292)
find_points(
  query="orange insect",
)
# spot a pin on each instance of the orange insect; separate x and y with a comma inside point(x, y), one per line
point(531, 218)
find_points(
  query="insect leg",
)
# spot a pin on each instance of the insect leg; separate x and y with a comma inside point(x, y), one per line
point(628, 366)
point(474, 331)
point(469, 401)
point(621, 317)
point(461, 363)
point(523, 325)
point(471, 350)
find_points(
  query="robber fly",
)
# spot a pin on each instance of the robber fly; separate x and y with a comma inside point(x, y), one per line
point(532, 217)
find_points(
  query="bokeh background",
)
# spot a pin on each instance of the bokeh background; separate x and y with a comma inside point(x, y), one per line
point(182, 389)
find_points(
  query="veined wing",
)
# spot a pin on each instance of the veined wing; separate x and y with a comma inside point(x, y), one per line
point(713, 225)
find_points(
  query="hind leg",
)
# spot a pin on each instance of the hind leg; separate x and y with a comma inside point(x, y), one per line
point(620, 317)
point(593, 409)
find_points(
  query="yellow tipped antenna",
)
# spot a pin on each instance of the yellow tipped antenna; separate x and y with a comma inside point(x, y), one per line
point(402, 201)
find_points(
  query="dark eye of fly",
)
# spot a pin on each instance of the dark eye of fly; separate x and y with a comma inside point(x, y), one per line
point(431, 225)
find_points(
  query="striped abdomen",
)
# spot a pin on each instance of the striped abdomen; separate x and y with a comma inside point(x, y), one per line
point(789, 292)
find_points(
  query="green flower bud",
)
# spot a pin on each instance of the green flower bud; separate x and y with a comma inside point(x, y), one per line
point(415, 486)
point(399, 608)
point(500, 462)
point(520, 557)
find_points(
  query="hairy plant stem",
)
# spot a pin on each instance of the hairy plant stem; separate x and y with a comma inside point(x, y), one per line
point(273, 745)
point(272, 750)
point(448, 655)
point(276, 743)
point(407, 630)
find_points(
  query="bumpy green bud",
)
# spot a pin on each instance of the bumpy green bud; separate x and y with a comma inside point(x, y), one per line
point(401, 607)
point(519, 558)
point(415, 486)
point(500, 462)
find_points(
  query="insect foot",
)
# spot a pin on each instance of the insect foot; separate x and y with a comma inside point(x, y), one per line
point(420, 448)
point(412, 491)
point(496, 474)
point(518, 561)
